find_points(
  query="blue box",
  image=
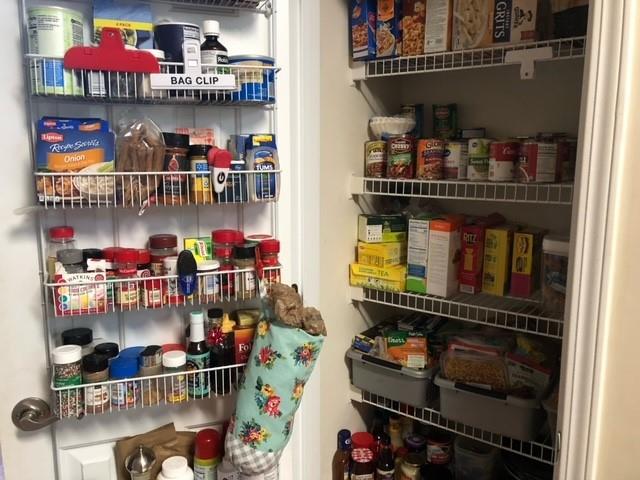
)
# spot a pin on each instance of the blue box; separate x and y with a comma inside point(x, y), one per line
point(389, 29)
point(363, 15)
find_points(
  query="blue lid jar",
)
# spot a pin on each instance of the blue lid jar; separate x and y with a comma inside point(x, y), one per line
point(123, 367)
point(131, 352)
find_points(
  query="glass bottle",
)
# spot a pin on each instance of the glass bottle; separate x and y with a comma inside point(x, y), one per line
point(127, 297)
point(198, 358)
point(386, 466)
point(363, 466)
point(60, 238)
point(227, 280)
point(212, 52)
point(342, 456)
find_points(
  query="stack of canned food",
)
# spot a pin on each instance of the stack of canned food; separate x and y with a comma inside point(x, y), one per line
point(467, 154)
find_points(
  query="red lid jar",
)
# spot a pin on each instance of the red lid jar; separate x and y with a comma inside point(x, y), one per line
point(363, 440)
point(269, 250)
point(225, 238)
point(61, 233)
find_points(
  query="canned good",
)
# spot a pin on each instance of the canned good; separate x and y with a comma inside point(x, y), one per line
point(445, 121)
point(375, 159)
point(468, 133)
point(478, 169)
point(567, 153)
point(429, 159)
point(456, 158)
point(537, 162)
point(439, 448)
point(400, 153)
point(503, 156)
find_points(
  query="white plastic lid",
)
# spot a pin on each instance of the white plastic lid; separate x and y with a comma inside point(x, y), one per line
point(197, 317)
point(211, 27)
point(208, 265)
point(67, 354)
point(159, 54)
point(170, 262)
point(557, 244)
point(175, 467)
point(174, 359)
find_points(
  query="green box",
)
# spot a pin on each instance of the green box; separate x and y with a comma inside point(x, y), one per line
point(382, 228)
point(416, 285)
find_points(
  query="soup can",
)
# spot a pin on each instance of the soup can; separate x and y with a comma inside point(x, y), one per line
point(478, 169)
point(375, 159)
point(456, 159)
point(400, 155)
point(537, 162)
point(429, 159)
point(503, 156)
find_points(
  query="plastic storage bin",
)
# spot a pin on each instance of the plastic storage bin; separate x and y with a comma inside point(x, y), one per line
point(507, 415)
point(555, 265)
point(474, 460)
point(390, 380)
point(254, 84)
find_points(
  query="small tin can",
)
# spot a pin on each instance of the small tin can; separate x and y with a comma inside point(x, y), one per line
point(537, 162)
point(375, 159)
point(439, 448)
point(400, 155)
point(429, 159)
point(503, 156)
point(478, 169)
point(456, 159)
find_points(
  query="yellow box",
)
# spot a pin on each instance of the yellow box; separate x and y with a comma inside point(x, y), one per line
point(525, 263)
point(382, 254)
point(390, 278)
point(497, 259)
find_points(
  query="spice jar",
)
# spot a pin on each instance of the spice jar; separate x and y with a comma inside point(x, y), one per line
point(362, 467)
point(212, 323)
point(127, 297)
point(225, 238)
point(245, 259)
point(90, 254)
point(150, 290)
point(176, 159)
point(172, 295)
point(108, 349)
point(257, 238)
point(109, 254)
point(124, 395)
point(410, 467)
point(227, 279)
point(83, 337)
point(170, 347)
point(201, 182)
point(67, 372)
point(95, 369)
point(60, 238)
point(208, 281)
point(71, 260)
point(174, 362)
point(150, 365)
point(269, 250)
point(415, 443)
point(161, 246)
point(144, 79)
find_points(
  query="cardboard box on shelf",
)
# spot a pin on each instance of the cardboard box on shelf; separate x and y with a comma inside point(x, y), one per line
point(439, 19)
point(382, 254)
point(413, 27)
point(516, 21)
point(497, 259)
point(382, 228)
point(363, 18)
point(391, 278)
point(389, 29)
point(473, 252)
point(444, 255)
point(525, 264)
point(472, 24)
point(418, 254)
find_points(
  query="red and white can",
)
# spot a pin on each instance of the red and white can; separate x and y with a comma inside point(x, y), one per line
point(538, 162)
point(503, 156)
point(429, 159)
point(456, 159)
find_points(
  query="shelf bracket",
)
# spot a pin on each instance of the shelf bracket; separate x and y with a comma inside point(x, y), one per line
point(356, 186)
point(527, 59)
point(358, 73)
point(357, 294)
point(267, 9)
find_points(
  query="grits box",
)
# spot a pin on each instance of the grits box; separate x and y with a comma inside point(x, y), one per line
point(515, 21)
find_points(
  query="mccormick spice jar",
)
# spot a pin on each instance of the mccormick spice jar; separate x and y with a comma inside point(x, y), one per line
point(161, 246)
point(176, 159)
point(362, 465)
point(200, 183)
point(95, 369)
point(150, 361)
point(227, 279)
point(429, 159)
point(107, 349)
point(172, 295)
point(81, 336)
point(245, 259)
point(375, 159)
point(60, 238)
point(400, 155)
point(71, 260)
point(127, 296)
point(269, 250)
point(150, 290)
point(67, 372)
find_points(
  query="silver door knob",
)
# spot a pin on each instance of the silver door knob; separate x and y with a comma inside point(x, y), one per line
point(32, 414)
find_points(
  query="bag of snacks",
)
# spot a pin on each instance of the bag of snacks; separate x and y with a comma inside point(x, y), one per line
point(475, 368)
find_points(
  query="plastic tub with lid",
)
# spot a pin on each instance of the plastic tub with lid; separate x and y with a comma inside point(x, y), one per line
point(474, 460)
point(256, 83)
point(175, 468)
point(555, 266)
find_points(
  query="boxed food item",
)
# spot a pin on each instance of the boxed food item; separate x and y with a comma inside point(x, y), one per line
point(390, 278)
point(89, 297)
point(525, 264)
point(382, 254)
point(409, 349)
point(66, 145)
point(472, 24)
point(418, 254)
point(134, 20)
point(382, 228)
point(389, 29)
point(199, 136)
point(444, 255)
point(438, 26)
point(555, 265)
point(516, 21)
point(497, 259)
point(527, 378)
point(201, 248)
point(363, 16)
point(413, 27)
point(473, 252)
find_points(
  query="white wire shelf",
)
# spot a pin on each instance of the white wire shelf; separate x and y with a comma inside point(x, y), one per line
point(255, 85)
point(115, 396)
point(147, 189)
point(260, 6)
point(542, 193)
point(501, 312)
point(101, 296)
point(561, 49)
point(542, 452)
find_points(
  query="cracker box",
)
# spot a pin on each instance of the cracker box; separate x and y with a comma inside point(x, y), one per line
point(382, 228)
point(363, 18)
point(391, 278)
point(389, 29)
point(201, 248)
point(407, 348)
point(472, 24)
point(382, 254)
point(413, 27)
point(515, 21)
point(438, 26)
point(473, 252)
point(525, 263)
point(497, 259)
point(135, 21)
point(444, 255)
point(417, 254)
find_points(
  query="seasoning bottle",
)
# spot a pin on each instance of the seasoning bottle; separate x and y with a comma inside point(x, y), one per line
point(95, 369)
point(161, 246)
point(225, 238)
point(127, 297)
point(197, 358)
point(71, 260)
point(90, 254)
point(410, 468)
point(175, 468)
point(362, 466)
point(342, 456)
point(67, 372)
point(269, 250)
point(175, 386)
point(224, 255)
point(176, 159)
point(213, 323)
point(60, 238)
point(208, 454)
point(245, 259)
point(386, 466)
point(150, 290)
point(208, 281)
point(124, 395)
point(201, 182)
point(109, 255)
point(439, 450)
point(107, 349)
point(150, 360)
point(81, 336)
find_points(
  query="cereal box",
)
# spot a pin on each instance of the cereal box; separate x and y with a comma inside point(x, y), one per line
point(390, 278)
point(473, 252)
point(515, 21)
point(444, 255)
point(472, 24)
point(438, 26)
point(525, 265)
point(389, 29)
point(363, 17)
point(497, 259)
point(413, 27)
point(382, 254)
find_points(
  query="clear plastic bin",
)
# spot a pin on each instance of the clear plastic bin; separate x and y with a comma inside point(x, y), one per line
point(475, 460)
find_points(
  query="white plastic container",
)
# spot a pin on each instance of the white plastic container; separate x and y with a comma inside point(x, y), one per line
point(474, 460)
point(555, 263)
point(175, 468)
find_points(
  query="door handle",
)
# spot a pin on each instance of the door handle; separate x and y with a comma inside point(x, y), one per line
point(32, 414)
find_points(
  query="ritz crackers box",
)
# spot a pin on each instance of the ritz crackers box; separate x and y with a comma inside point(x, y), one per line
point(473, 252)
point(444, 255)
